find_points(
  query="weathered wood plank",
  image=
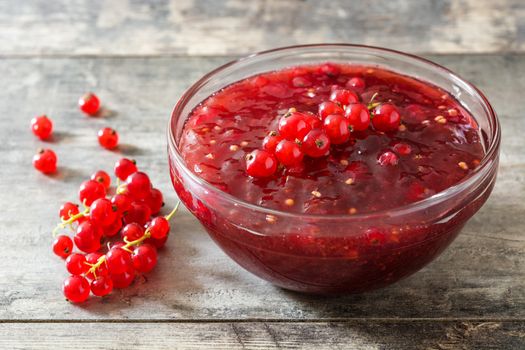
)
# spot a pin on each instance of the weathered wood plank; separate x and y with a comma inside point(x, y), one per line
point(200, 27)
point(366, 335)
point(480, 276)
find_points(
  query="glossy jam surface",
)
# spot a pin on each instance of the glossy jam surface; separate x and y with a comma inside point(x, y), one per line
point(437, 143)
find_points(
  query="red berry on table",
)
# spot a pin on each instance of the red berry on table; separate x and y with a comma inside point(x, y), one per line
point(358, 116)
point(344, 97)
point(386, 117)
point(76, 289)
point(356, 83)
point(102, 212)
point(144, 258)
point(89, 104)
point(293, 125)
point(138, 212)
point(101, 286)
point(102, 177)
point(288, 153)
point(76, 264)
point(87, 238)
point(122, 202)
point(316, 144)
point(118, 260)
point(337, 129)
point(113, 228)
point(328, 108)
point(387, 158)
point(125, 167)
point(108, 138)
point(68, 210)
point(138, 185)
point(62, 246)
point(271, 140)
point(101, 270)
point(154, 201)
point(159, 227)
point(45, 161)
point(157, 243)
point(91, 190)
point(313, 120)
point(123, 280)
point(132, 231)
point(260, 163)
point(42, 127)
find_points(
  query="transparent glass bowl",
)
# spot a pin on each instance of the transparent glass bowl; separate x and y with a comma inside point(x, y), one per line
point(323, 253)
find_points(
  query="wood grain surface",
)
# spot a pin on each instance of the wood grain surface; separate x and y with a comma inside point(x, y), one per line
point(207, 27)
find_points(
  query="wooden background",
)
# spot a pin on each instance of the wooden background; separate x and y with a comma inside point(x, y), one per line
point(139, 56)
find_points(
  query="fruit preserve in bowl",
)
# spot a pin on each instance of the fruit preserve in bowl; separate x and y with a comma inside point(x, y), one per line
point(333, 168)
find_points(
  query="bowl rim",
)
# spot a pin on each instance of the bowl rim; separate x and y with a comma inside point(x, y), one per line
point(435, 199)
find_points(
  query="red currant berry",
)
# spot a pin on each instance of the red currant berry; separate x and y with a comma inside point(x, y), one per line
point(358, 116)
point(356, 83)
point(68, 210)
point(118, 260)
point(144, 258)
point(45, 161)
point(62, 246)
point(344, 97)
point(138, 185)
point(102, 269)
point(76, 264)
point(42, 127)
point(89, 104)
point(154, 201)
point(114, 228)
point(271, 140)
point(157, 243)
point(260, 163)
point(329, 69)
point(386, 117)
point(138, 212)
point(90, 191)
point(76, 289)
point(102, 177)
point(159, 227)
point(301, 82)
point(328, 108)
point(293, 126)
point(87, 238)
point(124, 168)
point(102, 212)
point(288, 153)
point(375, 237)
point(132, 232)
point(108, 138)
point(316, 144)
point(123, 280)
point(122, 202)
point(337, 129)
point(402, 149)
point(313, 121)
point(102, 286)
point(387, 158)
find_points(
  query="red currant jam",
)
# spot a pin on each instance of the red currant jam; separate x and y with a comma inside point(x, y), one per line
point(394, 140)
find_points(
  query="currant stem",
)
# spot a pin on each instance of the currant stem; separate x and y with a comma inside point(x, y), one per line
point(95, 266)
point(169, 216)
point(70, 221)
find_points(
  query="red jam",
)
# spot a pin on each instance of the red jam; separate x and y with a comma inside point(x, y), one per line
point(434, 145)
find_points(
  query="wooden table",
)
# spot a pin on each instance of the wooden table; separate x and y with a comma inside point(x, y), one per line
point(139, 56)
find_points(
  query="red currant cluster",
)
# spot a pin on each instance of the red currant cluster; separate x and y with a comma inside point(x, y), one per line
point(307, 134)
point(128, 212)
point(45, 160)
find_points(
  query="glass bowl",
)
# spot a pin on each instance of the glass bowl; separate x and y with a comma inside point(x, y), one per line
point(323, 253)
